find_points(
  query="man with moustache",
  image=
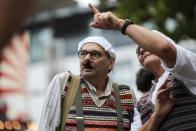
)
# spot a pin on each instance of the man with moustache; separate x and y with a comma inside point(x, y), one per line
point(98, 96)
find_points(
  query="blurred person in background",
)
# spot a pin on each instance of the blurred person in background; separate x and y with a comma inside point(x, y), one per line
point(144, 83)
point(13, 15)
point(144, 80)
point(171, 63)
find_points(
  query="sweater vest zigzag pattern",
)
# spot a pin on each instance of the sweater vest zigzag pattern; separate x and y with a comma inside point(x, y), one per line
point(183, 115)
point(102, 118)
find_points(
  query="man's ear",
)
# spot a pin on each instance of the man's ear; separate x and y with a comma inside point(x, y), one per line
point(112, 61)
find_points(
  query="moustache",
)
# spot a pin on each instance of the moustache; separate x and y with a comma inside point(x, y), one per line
point(88, 65)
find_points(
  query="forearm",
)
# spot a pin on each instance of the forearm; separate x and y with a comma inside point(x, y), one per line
point(148, 40)
point(151, 41)
point(152, 124)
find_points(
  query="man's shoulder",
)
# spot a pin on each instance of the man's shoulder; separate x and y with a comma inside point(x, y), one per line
point(125, 88)
point(63, 78)
point(63, 74)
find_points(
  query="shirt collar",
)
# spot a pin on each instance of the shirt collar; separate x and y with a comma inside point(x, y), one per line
point(164, 76)
point(160, 81)
point(107, 91)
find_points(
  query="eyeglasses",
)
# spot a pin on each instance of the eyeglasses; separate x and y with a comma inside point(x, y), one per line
point(94, 54)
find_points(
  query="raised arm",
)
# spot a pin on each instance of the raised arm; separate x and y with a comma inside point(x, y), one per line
point(145, 38)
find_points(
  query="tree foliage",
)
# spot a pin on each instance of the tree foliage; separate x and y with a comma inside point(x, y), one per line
point(175, 18)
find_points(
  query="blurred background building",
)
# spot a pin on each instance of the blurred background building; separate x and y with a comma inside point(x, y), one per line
point(48, 46)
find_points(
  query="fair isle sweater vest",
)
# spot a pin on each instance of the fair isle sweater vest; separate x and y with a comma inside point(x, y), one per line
point(102, 118)
point(183, 115)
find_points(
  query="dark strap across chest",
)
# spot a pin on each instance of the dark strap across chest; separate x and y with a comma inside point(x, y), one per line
point(79, 111)
point(118, 107)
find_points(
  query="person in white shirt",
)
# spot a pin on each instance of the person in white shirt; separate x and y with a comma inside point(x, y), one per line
point(173, 59)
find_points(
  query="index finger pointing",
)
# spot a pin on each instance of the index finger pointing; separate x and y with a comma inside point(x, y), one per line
point(93, 9)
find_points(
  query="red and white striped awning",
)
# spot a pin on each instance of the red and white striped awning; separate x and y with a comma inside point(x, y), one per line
point(13, 67)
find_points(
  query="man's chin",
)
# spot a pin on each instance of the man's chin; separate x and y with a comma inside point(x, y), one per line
point(87, 74)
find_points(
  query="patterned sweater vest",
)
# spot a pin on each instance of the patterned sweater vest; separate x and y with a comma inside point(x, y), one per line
point(102, 118)
point(145, 107)
point(183, 115)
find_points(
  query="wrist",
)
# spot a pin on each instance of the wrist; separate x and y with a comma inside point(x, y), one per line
point(120, 24)
point(126, 23)
point(157, 117)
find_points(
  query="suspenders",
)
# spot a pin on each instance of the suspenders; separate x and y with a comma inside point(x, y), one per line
point(79, 110)
point(118, 107)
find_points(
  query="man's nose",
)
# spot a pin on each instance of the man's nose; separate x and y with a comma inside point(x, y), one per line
point(88, 56)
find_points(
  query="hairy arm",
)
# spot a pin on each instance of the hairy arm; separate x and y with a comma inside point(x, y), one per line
point(145, 38)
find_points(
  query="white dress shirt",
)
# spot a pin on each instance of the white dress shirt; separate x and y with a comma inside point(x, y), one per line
point(184, 68)
point(99, 100)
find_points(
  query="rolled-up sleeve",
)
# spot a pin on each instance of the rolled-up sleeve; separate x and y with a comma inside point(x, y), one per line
point(185, 66)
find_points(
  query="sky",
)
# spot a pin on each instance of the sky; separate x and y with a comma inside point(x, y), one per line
point(84, 3)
